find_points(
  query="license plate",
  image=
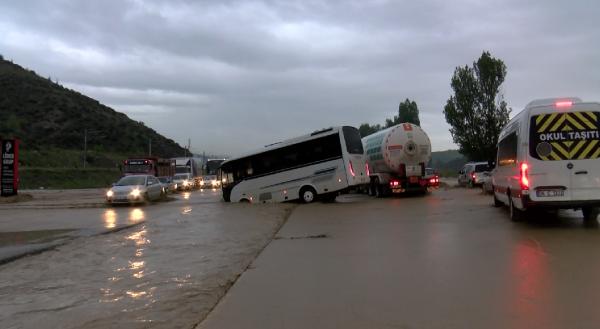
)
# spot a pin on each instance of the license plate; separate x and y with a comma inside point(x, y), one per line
point(550, 193)
point(413, 179)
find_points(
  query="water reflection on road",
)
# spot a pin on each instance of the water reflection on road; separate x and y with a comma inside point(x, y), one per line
point(166, 272)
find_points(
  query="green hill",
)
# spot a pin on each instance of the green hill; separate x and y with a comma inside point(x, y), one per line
point(51, 121)
point(448, 163)
point(45, 115)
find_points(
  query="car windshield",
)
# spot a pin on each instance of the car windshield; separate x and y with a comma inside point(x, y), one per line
point(132, 180)
point(185, 176)
point(429, 171)
point(482, 167)
point(163, 179)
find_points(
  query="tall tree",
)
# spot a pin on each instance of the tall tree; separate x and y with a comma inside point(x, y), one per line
point(408, 111)
point(477, 110)
point(366, 129)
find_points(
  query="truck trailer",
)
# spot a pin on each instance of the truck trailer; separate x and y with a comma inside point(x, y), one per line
point(396, 158)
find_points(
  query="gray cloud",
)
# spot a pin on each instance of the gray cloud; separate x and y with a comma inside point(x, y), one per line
point(233, 75)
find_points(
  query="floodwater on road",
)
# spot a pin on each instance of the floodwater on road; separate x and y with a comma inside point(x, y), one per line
point(167, 272)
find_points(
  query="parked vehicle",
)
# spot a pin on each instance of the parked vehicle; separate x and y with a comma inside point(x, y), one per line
point(396, 159)
point(473, 174)
point(432, 177)
point(168, 185)
point(318, 165)
point(548, 158)
point(135, 189)
point(184, 181)
point(486, 183)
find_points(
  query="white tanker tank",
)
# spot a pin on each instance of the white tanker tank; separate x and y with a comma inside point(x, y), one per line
point(397, 157)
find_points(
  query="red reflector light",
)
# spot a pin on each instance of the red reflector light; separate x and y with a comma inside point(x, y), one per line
point(563, 104)
point(524, 176)
point(352, 169)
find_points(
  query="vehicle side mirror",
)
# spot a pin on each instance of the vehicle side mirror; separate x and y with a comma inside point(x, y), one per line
point(150, 183)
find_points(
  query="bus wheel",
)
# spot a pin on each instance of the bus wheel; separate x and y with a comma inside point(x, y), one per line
point(590, 213)
point(308, 194)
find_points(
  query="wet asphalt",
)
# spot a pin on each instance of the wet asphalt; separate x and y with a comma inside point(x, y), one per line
point(445, 260)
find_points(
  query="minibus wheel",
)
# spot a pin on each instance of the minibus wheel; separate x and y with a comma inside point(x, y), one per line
point(516, 215)
point(497, 203)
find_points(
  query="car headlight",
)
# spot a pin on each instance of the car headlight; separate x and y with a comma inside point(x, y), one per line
point(186, 183)
point(135, 193)
point(201, 183)
point(110, 193)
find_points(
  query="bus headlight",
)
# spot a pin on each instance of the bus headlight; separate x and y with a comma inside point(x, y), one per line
point(214, 182)
point(110, 194)
point(186, 183)
point(135, 193)
point(201, 183)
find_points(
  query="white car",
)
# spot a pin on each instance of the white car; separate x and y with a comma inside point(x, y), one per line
point(184, 181)
point(135, 189)
point(549, 157)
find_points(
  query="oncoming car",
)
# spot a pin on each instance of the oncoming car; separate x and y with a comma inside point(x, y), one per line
point(135, 189)
point(549, 157)
point(184, 181)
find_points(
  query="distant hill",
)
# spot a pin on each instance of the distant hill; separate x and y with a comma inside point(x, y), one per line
point(46, 115)
point(448, 163)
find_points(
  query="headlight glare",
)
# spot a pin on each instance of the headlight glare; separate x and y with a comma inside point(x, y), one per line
point(109, 193)
point(135, 193)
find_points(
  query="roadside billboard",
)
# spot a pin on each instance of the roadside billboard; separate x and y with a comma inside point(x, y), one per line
point(9, 171)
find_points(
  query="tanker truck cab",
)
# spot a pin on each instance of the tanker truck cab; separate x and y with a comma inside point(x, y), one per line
point(548, 158)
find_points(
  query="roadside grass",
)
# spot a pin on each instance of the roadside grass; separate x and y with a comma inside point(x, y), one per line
point(67, 178)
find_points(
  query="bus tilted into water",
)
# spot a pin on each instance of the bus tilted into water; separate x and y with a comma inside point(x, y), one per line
point(320, 165)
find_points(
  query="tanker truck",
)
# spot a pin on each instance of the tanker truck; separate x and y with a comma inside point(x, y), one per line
point(396, 158)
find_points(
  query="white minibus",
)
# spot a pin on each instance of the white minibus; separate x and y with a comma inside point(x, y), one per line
point(319, 165)
point(548, 157)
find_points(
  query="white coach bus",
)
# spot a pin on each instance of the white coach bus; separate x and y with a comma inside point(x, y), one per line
point(319, 165)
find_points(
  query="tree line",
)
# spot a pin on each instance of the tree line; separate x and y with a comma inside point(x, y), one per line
point(476, 111)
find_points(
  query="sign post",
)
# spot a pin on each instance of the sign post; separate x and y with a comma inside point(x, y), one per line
point(9, 171)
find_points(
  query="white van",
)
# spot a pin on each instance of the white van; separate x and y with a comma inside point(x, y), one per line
point(548, 156)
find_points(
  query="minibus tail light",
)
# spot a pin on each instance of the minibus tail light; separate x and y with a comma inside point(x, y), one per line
point(367, 169)
point(524, 176)
point(352, 169)
point(563, 104)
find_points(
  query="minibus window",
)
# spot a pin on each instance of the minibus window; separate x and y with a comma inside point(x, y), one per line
point(565, 136)
point(507, 150)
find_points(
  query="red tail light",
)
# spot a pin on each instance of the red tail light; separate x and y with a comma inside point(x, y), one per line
point(473, 175)
point(394, 183)
point(563, 104)
point(352, 169)
point(367, 169)
point(524, 176)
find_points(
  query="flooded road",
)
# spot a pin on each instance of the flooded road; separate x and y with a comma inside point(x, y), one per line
point(166, 272)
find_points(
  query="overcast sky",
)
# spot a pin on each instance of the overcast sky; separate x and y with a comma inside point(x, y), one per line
point(236, 75)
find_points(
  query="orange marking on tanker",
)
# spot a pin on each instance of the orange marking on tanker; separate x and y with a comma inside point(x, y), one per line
point(394, 147)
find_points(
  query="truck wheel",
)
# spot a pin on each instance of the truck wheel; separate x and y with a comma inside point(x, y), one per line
point(371, 189)
point(378, 189)
point(516, 215)
point(590, 213)
point(308, 194)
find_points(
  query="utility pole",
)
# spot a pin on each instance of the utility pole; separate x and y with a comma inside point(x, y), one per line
point(149, 146)
point(189, 145)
